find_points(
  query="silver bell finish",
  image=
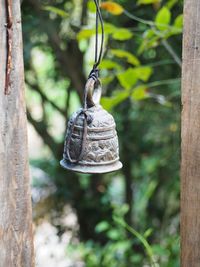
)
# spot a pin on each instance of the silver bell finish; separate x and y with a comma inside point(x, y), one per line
point(91, 143)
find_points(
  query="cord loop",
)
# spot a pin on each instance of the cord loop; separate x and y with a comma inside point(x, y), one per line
point(92, 92)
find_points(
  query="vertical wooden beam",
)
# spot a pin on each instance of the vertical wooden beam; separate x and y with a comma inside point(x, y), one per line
point(190, 163)
point(16, 242)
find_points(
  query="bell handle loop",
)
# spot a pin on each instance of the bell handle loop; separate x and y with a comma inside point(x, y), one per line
point(93, 93)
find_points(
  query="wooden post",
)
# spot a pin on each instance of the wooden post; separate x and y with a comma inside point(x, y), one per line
point(190, 164)
point(16, 242)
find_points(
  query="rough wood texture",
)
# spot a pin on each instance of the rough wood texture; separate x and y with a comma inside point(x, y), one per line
point(16, 246)
point(190, 165)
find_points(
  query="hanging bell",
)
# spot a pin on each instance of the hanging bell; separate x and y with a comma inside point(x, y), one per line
point(91, 143)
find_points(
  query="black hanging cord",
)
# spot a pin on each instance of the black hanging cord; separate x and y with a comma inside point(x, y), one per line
point(94, 72)
point(96, 37)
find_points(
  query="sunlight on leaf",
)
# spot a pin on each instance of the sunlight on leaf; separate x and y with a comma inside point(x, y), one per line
point(91, 6)
point(127, 55)
point(110, 102)
point(122, 34)
point(143, 73)
point(109, 64)
point(57, 11)
point(113, 8)
point(147, 2)
point(163, 18)
point(127, 78)
point(178, 23)
point(85, 34)
point(139, 93)
point(171, 3)
point(109, 28)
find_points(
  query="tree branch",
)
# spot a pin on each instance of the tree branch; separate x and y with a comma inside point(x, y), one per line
point(41, 129)
point(44, 97)
point(171, 51)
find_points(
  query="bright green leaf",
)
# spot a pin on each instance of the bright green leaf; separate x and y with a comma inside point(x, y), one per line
point(85, 34)
point(127, 55)
point(122, 34)
point(109, 64)
point(171, 3)
point(178, 23)
point(110, 102)
point(91, 6)
point(139, 93)
point(143, 73)
point(163, 18)
point(146, 44)
point(149, 33)
point(127, 78)
point(57, 11)
point(107, 79)
point(147, 2)
point(109, 28)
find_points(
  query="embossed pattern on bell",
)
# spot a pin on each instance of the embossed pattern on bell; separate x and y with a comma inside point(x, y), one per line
point(101, 150)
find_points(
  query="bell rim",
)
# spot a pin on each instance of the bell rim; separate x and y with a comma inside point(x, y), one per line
point(92, 169)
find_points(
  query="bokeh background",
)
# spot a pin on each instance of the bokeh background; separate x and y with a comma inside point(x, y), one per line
point(129, 218)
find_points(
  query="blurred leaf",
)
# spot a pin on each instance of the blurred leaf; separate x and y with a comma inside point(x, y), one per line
point(127, 78)
point(149, 41)
point(113, 8)
point(109, 28)
point(163, 18)
point(122, 34)
point(109, 102)
point(148, 232)
point(85, 34)
point(140, 237)
point(171, 3)
point(159, 250)
point(114, 234)
point(147, 2)
point(91, 6)
point(57, 11)
point(107, 79)
point(178, 23)
point(102, 226)
point(127, 55)
point(149, 33)
point(109, 64)
point(123, 209)
point(139, 93)
point(143, 73)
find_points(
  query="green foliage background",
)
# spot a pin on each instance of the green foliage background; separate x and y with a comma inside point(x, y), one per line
point(131, 217)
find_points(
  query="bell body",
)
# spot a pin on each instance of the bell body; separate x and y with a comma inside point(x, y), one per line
point(100, 153)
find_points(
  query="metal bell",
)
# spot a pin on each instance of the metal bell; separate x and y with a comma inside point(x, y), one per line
point(91, 143)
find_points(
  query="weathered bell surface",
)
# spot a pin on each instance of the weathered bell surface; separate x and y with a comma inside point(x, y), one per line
point(91, 144)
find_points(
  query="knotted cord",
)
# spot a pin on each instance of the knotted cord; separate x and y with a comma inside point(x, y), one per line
point(94, 75)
